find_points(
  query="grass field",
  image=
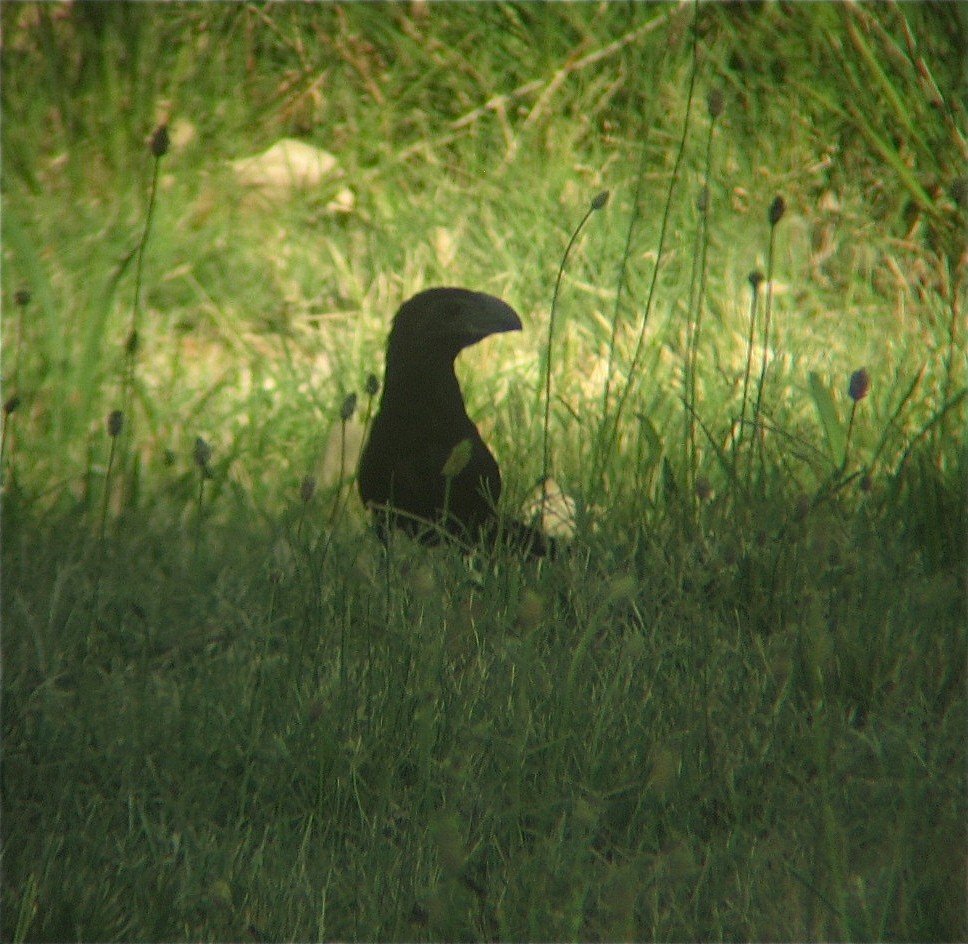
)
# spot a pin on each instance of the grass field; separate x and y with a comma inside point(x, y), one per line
point(735, 708)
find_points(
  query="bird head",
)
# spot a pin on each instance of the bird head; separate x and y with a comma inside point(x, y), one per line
point(450, 319)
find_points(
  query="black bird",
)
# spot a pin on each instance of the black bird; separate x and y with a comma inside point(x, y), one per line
point(422, 418)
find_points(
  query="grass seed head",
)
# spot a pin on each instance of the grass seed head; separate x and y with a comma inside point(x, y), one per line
point(115, 423)
point(22, 297)
point(715, 101)
point(777, 209)
point(756, 279)
point(348, 408)
point(860, 383)
point(372, 385)
point(600, 200)
point(202, 453)
point(160, 141)
point(459, 456)
point(133, 343)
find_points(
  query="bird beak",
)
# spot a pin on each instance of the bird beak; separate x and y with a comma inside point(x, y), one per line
point(489, 315)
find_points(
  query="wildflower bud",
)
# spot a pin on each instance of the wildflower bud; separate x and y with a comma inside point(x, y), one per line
point(459, 456)
point(11, 405)
point(348, 408)
point(756, 279)
point(714, 102)
point(704, 489)
point(372, 385)
point(600, 200)
point(203, 453)
point(777, 209)
point(22, 297)
point(860, 383)
point(133, 342)
point(308, 488)
point(160, 141)
point(115, 423)
point(702, 200)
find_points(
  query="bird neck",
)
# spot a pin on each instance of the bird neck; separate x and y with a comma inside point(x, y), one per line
point(428, 382)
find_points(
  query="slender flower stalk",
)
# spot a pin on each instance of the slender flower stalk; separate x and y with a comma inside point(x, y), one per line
point(346, 411)
point(774, 215)
point(115, 425)
point(857, 389)
point(755, 280)
point(202, 454)
point(598, 203)
point(697, 292)
point(307, 488)
point(159, 147)
point(372, 388)
point(9, 408)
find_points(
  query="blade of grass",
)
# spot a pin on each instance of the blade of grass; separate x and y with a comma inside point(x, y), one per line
point(833, 428)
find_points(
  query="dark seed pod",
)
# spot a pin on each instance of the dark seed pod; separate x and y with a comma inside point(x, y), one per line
point(115, 423)
point(777, 209)
point(348, 408)
point(202, 453)
point(715, 101)
point(860, 383)
point(160, 141)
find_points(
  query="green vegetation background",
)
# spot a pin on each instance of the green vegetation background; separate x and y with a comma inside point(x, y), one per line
point(736, 709)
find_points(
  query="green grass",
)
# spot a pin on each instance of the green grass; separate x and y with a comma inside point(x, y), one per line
point(735, 709)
